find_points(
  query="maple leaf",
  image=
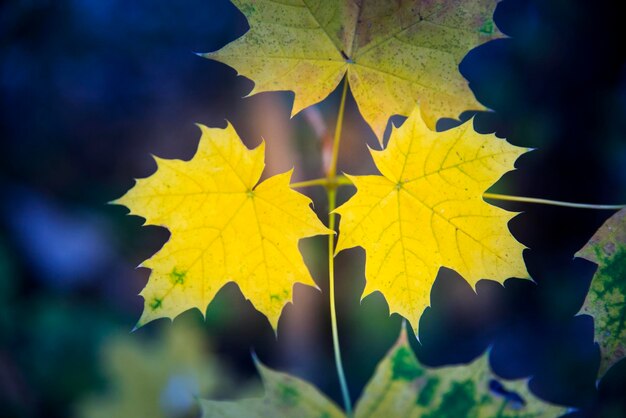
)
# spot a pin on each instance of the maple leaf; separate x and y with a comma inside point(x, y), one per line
point(395, 54)
point(285, 396)
point(426, 211)
point(606, 300)
point(156, 378)
point(224, 227)
point(400, 387)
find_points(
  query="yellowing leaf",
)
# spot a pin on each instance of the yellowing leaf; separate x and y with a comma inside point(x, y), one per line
point(427, 211)
point(224, 227)
point(395, 53)
point(400, 387)
point(606, 300)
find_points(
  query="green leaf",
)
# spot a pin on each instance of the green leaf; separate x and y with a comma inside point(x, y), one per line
point(400, 387)
point(159, 378)
point(285, 396)
point(606, 297)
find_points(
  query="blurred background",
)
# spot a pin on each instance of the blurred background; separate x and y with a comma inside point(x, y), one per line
point(89, 89)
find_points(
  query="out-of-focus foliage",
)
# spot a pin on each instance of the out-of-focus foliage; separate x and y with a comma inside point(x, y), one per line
point(285, 396)
point(606, 300)
point(157, 378)
point(426, 211)
point(225, 227)
point(7, 290)
point(395, 54)
point(400, 387)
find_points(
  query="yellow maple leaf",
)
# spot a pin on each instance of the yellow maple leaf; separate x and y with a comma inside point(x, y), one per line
point(395, 53)
point(427, 211)
point(224, 227)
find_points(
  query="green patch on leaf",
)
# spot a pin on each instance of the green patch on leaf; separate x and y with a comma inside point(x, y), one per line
point(487, 28)
point(156, 303)
point(404, 365)
point(615, 267)
point(426, 395)
point(177, 276)
point(287, 394)
point(606, 300)
point(459, 401)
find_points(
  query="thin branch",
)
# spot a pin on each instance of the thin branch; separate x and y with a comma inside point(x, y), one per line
point(495, 196)
point(331, 191)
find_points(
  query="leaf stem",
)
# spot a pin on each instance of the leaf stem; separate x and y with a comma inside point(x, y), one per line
point(495, 196)
point(324, 182)
point(309, 183)
point(330, 182)
point(332, 170)
point(344, 181)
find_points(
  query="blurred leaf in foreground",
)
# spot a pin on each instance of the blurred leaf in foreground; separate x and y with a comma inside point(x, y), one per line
point(155, 379)
point(400, 387)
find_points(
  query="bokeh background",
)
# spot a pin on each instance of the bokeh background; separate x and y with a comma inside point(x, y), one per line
point(89, 89)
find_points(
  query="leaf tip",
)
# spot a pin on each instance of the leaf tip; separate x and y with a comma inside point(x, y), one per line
point(416, 330)
point(273, 320)
point(255, 358)
point(203, 127)
point(368, 290)
point(117, 202)
point(137, 325)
